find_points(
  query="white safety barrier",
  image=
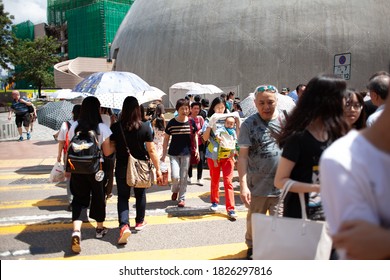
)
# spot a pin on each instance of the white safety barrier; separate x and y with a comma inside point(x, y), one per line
point(8, 130)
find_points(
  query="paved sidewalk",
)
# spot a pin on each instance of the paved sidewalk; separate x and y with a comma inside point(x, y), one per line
point(40, 150)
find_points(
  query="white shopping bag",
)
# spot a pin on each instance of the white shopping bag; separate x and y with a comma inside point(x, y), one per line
point(57, 174)
point(283, 238)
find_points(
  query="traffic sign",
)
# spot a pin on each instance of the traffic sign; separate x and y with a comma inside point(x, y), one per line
point(342, 65)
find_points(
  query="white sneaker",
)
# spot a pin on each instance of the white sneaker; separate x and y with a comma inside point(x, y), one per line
point(232, 215)
point(189, 181)
point(199, 182)
point(214, 207)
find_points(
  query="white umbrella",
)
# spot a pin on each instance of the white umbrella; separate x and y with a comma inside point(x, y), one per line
point(111, 88)
point(65, 94)
point(196, 88)
point(142, 97)
point(179, 90)
point(187, 86)
point(212, 89)
point(150, 95)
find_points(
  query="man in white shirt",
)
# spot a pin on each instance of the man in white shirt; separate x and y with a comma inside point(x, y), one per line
point(378, 87)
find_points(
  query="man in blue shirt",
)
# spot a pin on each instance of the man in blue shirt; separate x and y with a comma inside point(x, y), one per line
point(295, 94)
point(20, 107)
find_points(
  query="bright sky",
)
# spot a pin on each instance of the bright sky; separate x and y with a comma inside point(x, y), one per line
point(22, 10)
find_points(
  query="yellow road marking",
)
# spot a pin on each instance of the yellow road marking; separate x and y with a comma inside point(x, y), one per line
point(211, 252)
point(31, 203)
point(151, 197)
point(27, 162)
point(152, 220)
point(10, 176)
point(12, 188)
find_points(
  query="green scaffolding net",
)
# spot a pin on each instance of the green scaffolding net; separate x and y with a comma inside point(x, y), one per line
point(91, 24)
point(24, 30)
point(56, 9)
point(91, 28)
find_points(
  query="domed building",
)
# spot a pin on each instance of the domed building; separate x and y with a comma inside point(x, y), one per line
point(241, 44)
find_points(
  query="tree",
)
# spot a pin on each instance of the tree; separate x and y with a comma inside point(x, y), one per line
point(35, 60)
point(7, 38)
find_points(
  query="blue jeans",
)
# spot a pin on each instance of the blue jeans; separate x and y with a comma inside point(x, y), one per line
point(124, 195)
point(179, 171)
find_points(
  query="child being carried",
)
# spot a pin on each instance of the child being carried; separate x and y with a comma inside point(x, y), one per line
point(226, 136)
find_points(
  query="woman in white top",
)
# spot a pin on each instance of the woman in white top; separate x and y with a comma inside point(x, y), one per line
point(86, 190)
point(63, 143)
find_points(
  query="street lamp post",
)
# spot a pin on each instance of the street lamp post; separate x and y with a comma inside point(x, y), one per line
point(109, 53)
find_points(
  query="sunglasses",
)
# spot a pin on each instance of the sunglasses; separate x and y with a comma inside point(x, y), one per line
point(266, 88)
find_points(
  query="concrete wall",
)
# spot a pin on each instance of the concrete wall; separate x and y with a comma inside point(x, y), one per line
point(69, 73)
point(245, 43)
point(39, 30)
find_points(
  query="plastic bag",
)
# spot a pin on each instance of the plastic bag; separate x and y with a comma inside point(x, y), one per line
point(164, 171)
point(57, 173)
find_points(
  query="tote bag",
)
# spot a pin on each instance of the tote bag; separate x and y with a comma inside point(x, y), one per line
point(139, 173)
point(283, 238)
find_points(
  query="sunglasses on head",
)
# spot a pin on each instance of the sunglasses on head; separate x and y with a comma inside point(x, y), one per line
point(266, 88)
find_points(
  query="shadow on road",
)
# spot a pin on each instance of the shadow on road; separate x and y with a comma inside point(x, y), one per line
point(43, 143)
point(238, 256)
point(35, 170)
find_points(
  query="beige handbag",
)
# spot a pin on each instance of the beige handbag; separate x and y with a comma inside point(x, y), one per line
point(139, 173)
point(283, 238)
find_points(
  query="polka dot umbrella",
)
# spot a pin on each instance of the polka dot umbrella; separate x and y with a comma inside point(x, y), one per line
point(111, 88)
point(53, 114)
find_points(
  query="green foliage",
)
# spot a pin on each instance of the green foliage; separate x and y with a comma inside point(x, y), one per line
point(35, 60)
point(7, 38)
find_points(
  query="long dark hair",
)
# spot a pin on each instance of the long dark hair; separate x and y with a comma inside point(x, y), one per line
point(158, 120)
point(76, 111)
point(160, 110)
point(323, 100)
point(215, 102)
point(130, 117)
point(159, 123)
point(89, 117)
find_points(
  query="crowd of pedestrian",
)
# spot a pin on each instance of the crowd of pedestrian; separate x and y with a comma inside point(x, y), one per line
point(321, 138)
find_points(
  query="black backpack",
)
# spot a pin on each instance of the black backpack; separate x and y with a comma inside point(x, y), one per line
point(84, 153)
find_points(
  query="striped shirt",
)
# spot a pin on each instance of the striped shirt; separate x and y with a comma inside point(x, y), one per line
point(180, 142)
point(19, 107)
